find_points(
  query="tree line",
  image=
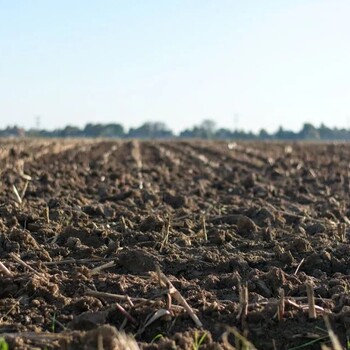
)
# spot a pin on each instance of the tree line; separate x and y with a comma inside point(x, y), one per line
point(205, 130)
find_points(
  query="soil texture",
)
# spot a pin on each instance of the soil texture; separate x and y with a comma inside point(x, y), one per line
point(173, 244)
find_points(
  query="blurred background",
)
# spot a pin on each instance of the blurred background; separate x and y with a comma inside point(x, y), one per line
point(252, 66)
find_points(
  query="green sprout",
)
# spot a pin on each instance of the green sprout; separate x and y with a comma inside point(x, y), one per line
point(157, 337)
point(53, 323)
point(198, 341)
point(3, 344)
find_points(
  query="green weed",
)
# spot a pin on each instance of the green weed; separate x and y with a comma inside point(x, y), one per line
point(3, 344)
point(53, 323)
point(198, 340)
point(157, 337)
point(309, 343)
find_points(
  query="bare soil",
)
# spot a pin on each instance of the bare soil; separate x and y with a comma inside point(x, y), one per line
point(213, 218)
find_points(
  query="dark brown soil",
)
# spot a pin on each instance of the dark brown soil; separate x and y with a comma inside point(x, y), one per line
point(101, 216)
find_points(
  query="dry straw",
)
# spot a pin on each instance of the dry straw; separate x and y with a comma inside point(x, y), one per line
point(311, 301)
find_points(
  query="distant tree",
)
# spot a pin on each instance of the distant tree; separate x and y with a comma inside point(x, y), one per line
point(112, 130)
point(325, 133)
point(93, 130)
point(186, 134)
point(209, 125)
point(223, 134)
point(282, 134)
point(12, 131)
point(264, 135)
point(206, 130)
point(309, 132)
point(151, 130)
point(71, 131)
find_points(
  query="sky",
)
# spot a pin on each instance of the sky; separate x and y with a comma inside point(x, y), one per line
point(244, 64)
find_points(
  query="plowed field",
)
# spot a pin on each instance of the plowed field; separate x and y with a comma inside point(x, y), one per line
point(181, 245)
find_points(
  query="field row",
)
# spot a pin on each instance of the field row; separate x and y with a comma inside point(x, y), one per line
point(240, 231)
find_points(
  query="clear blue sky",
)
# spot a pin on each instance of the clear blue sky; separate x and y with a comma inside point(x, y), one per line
point(272, 62)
